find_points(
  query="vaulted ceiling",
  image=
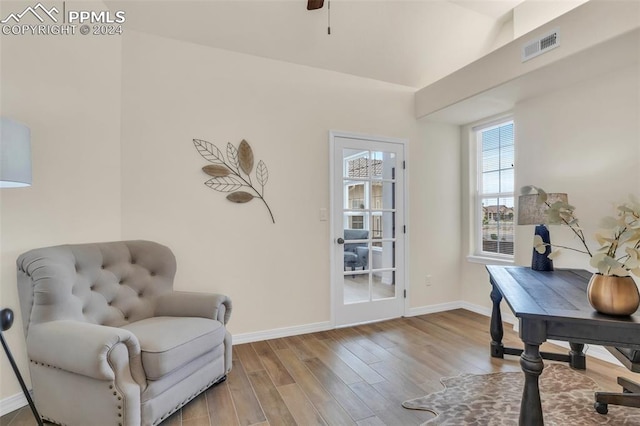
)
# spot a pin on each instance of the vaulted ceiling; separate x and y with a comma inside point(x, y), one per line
point(411, 43)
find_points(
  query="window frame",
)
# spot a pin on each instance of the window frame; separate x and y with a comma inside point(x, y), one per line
point(477, 254)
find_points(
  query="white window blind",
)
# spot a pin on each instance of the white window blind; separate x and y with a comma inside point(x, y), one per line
point(495, 196)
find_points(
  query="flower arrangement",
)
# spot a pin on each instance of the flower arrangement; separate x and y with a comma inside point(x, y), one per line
point(619, 237)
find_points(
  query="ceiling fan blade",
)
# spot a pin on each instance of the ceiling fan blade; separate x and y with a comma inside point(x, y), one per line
point(314, 4)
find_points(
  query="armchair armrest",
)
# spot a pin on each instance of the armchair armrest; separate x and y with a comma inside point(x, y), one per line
point(187, 304)
point(84, 348)
point(363, 255)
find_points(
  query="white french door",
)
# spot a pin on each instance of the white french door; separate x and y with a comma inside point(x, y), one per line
point(367, 226)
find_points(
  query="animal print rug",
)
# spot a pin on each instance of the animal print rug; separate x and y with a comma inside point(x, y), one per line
point(494, 400)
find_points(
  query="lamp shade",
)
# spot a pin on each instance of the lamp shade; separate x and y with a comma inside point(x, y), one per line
point(530, 212)
point(15, 154)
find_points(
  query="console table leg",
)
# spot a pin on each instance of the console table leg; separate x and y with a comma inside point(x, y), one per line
point(531, 407)
point(577, 358)
point(497, 348)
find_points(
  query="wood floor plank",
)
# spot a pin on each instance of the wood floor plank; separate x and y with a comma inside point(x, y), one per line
point(361, 369)
point(174, 420)
point(296, 343)
point(300, 407)
point(303, 377)
point(376, 335)
point(331, 360)
point(196, 421)
point(399, 386)
point(386, 410)
point(249, 358)
point(24, 417)
point(353, 405)
point(6, 419)
point(371, 421)
point(196, 408)
point(245, 400)
point(334, 414)
point(222, 411)
point(320, 397)
point(272, 403)
point(277, 344)
point(272, 364)
point(349, 339)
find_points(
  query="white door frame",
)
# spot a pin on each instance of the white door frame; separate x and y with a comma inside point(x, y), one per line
point(403, 221)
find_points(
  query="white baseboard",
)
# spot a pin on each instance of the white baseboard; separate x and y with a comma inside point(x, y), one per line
point(281, 332)
point(12, 403)
point(459, 304)
point(430, 309)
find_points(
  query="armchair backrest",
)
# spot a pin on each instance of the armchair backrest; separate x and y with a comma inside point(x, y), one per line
point(111, 284)
point(355, 234)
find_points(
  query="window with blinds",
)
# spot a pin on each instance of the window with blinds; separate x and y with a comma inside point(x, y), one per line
point(495, 197)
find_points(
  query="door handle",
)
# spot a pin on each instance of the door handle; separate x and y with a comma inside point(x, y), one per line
point(340, 241)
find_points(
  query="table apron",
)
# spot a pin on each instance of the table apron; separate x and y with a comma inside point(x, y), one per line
point(588, 333)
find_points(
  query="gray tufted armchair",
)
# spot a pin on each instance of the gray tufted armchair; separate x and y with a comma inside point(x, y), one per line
point(109, 342)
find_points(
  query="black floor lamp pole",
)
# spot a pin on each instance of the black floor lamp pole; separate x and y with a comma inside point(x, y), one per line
point(6, 318)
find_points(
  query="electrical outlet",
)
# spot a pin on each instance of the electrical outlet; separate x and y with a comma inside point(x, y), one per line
point(427, 281)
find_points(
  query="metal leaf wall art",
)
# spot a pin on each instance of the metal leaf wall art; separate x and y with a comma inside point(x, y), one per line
point(233, 173)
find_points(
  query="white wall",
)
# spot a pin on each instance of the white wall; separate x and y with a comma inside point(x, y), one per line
point(67, 90)
point(582, 140)
point(434, 229)
point(277, 274)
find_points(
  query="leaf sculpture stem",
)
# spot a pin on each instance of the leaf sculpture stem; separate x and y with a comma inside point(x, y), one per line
point(250, 185)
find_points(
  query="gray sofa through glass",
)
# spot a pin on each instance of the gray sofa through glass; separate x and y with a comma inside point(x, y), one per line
point(109, 342)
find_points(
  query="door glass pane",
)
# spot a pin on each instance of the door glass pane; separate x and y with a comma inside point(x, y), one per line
point(355, 195)
point(356, 287)
point(383, 285)
point(356, 163)
point(382, 226)
point(356, 221)
point(383, 165)
point(382, 195)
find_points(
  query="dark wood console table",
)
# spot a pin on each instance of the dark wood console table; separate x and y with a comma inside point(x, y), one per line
point(551, 305)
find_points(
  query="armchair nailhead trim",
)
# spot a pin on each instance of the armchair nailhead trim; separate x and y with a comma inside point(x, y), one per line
point(44, 365)
point(119, 398)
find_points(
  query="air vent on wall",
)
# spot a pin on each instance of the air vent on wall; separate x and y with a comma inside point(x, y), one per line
point(541, 45)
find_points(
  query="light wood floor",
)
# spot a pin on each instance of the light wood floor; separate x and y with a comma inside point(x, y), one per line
point(356, 375)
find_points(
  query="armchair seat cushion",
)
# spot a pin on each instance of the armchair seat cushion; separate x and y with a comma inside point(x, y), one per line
point(168, 343)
